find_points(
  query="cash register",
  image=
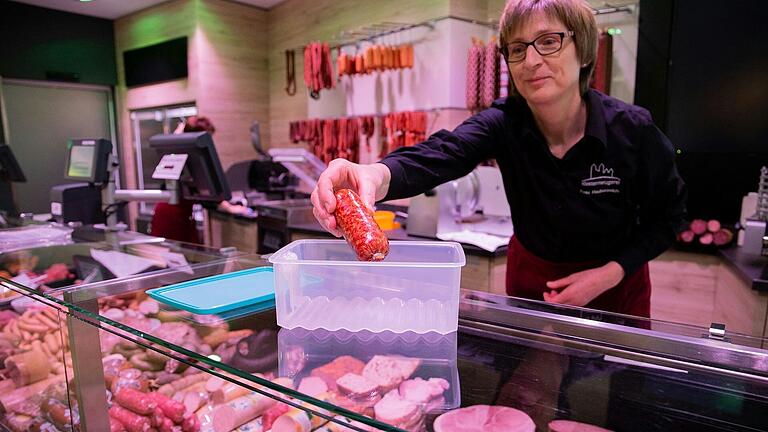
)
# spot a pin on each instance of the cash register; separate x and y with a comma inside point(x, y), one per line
point(189, 167)
point(87, 164)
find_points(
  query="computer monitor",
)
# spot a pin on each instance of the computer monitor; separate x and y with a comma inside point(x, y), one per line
point(87, 160)
point(203, 177)
point(10, 171)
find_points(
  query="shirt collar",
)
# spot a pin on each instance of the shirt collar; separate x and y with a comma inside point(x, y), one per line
point(595, 126)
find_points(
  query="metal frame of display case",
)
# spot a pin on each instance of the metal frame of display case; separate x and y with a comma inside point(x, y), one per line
point(486, 314)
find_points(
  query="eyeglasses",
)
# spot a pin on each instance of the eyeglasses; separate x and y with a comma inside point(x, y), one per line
point(546, 44)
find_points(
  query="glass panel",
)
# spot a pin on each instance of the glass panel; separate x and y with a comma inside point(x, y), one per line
point(34, 349)
point(608, 371)
point(147, 123)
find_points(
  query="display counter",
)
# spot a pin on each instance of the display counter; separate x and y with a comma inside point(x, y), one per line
point(158, 367)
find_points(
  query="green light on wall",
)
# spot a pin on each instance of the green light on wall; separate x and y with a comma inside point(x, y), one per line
point(85, 1)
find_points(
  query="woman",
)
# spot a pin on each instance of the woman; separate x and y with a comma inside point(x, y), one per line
point(175, 221)
point(591, 182)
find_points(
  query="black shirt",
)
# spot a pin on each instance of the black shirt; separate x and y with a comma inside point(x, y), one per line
point(614, 196)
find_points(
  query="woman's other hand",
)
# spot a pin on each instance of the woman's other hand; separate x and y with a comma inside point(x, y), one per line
point(578, 289)
point(371, 182)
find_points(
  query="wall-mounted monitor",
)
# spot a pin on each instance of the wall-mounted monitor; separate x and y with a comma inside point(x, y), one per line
point(165, 61)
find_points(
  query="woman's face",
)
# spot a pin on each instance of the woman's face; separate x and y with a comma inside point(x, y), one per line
point(545, 79)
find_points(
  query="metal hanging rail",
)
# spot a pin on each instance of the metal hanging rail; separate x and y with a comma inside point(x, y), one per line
point(608, 9)
point(386, 28)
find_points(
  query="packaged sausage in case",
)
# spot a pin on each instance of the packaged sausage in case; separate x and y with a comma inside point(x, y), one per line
point(321, 284)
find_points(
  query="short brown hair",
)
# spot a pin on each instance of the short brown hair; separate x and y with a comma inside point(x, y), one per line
point(575, 14)
point(199, 124)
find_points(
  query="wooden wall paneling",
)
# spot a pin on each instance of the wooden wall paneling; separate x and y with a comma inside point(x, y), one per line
point(293, 23)
point(475, 275)
point(163, 22)
point(683, 287)
point(738, 306)
point(227, 65)
point(498, 276)
point(471, 9)
point(233, 76)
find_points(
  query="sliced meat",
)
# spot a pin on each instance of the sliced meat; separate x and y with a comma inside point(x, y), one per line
point(427, 393)
point(396, 411)
point(572, 426)
point(339, 367)
point(484, 418)
point(312, 386)
point(389, 371)
point(357, 386)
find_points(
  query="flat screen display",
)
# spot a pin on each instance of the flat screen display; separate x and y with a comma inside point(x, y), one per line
point(156, 63)
point(81, 161)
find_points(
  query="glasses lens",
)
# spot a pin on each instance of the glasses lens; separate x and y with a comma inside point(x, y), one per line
point(548, 43)
point(516, 51)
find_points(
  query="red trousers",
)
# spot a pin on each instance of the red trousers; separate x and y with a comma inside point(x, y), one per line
point(527, 277)
point(174, 222)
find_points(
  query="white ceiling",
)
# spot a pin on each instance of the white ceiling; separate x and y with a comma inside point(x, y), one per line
point(112, 9)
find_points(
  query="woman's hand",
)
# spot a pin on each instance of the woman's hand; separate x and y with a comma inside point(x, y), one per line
point(578, 289)
point(371, 182)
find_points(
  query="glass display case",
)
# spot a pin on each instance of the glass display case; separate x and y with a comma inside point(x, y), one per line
point(512, 365)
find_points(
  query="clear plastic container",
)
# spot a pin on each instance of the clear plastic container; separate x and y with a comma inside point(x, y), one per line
point(301, 351)
point(321, 284)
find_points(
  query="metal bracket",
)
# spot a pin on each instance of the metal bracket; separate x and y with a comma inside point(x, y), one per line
point(717, 331)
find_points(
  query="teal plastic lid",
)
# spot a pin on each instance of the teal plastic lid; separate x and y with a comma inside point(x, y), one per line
point(220, 293)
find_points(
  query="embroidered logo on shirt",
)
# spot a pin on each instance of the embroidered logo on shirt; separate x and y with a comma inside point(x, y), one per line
point(601, 180)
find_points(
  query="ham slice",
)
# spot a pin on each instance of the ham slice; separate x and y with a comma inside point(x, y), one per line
point(357, 386)
point(312, 386)
point(339, 367)
point(572, 426)
point(389, 371)
point(427, 393)
point(484, 418)
point(398, 412)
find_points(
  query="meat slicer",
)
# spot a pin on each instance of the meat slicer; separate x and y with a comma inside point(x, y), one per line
point(475, 202)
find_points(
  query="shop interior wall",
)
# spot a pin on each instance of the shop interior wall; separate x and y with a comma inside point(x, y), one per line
point(48, 45)
point(294, 23)
point(45, 44)
point(227, 71)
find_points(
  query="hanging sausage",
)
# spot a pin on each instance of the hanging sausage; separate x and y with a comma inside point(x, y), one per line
point(474, 71)
point(489, 91)
point(318, 68)
point(290, 72)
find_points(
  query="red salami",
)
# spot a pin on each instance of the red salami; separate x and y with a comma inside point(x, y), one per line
point(722, 237)
point(699, 226)
point(356, 223)
point(687, 236)
point(132, 421)
point(713, 226)
point(136, 401)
